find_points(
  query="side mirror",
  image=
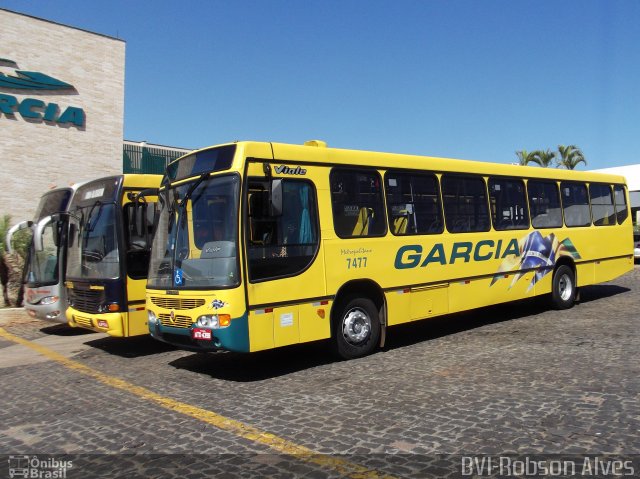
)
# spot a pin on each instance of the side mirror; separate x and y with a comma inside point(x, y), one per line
point(275, 197)
point(57, 230)
point(140, 210)
point(39, 230)
point(13, 230)
point(73, 230)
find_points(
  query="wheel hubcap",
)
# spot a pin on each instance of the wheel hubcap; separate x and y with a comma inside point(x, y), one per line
point(565, 287)
point(356, 326)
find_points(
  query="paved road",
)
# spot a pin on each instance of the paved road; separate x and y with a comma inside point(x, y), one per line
point(514, 379)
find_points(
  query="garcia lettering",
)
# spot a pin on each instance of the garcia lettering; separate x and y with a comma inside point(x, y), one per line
point(412, 256)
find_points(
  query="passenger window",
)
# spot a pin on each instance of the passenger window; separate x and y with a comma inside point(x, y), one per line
point(575, 204)
point(508, 204)
point(465, 203)
point(356, 198)
point(413, 203)
point(544, 204)
point(621, 203)
point(602, 205)
point(281, 244)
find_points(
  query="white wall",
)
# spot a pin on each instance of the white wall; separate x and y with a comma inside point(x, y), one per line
point(37, 155)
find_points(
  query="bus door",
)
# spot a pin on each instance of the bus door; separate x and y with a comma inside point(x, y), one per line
point(284, 262)
point(138, 220)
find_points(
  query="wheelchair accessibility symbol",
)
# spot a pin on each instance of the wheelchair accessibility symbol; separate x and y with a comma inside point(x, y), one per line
point(178, 278)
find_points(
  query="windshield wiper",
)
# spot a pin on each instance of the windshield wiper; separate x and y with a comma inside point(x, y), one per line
point(188, 194)
point(192, 188)
point(91, 225)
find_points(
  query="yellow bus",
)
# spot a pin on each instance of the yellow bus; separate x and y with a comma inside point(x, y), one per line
point(262, 245)
point(108, 249)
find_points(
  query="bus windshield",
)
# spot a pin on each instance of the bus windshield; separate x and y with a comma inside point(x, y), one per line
point(196, 238)
point(93, 243)
point(42, 266)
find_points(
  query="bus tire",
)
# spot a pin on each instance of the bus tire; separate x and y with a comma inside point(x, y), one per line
point(563, 288)
point(356, 328)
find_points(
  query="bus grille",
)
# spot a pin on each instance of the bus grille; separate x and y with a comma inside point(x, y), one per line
point(83, 321)
point(177, 303)
point(86, 300)
point(178, 321)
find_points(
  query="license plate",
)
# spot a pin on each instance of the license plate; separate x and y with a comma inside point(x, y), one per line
point(201, 334)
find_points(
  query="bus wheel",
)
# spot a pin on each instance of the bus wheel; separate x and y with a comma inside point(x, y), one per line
point(563, 289)
point(356, 328)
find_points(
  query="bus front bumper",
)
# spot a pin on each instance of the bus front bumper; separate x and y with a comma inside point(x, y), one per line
point(110, 323)
point(235, 337)
point(51, 312)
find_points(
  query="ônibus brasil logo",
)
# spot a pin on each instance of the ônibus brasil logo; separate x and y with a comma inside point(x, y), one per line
point(34, 109)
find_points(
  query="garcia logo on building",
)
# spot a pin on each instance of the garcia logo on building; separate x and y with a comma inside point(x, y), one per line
point(34, 109)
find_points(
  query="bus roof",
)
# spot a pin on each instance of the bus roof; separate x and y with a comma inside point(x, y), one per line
point(316, 152)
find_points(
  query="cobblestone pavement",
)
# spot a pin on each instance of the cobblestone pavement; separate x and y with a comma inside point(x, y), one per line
point(511, 379)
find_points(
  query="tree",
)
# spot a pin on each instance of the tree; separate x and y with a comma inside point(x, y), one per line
point(570, 156)
point(543, 158)
point(524, 157)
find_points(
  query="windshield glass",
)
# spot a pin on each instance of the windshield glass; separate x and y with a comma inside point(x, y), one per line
point(93, 244)
point(53, 202)
point(197, 235)
point(43, 265)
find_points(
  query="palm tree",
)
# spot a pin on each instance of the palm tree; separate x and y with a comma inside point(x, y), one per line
point(543, 158)
point(570, 156)
point(524, 157)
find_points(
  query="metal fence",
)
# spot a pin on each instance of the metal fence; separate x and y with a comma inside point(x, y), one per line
point(137, 158)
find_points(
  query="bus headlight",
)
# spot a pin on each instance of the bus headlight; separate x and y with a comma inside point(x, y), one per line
point(208, 321)
point(49, 300)
point(214, 321)
point(151, 317)
point(109, 308)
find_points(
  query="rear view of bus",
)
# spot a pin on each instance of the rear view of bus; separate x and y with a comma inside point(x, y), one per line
point(110, 231)
point(45, 296)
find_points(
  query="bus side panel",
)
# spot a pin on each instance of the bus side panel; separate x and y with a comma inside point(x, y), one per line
point(398, 306)
point(585, 274)
point(260, 331)
point(480, 292)
point(406, 305)
point(606, 270)
point(314, 321)
point(136, 320)
point(285, 326)
point(544, 284)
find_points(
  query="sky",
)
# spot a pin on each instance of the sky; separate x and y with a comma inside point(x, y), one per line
point(472, 79)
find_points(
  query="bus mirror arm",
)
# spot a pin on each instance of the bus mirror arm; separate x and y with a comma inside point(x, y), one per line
point(59, 218)
point(139, 197)
point(13, 230)
point(37, 232)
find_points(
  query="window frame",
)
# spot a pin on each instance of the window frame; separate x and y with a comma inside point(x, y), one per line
point(525, 203)
point(447, 175)
point(383, 206)
point(557, 188)
point(247, 229)
point(414, 173)
point(564, 216)
point(613, 204)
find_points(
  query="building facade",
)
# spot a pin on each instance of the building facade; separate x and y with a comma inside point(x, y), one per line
point(61, 108)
